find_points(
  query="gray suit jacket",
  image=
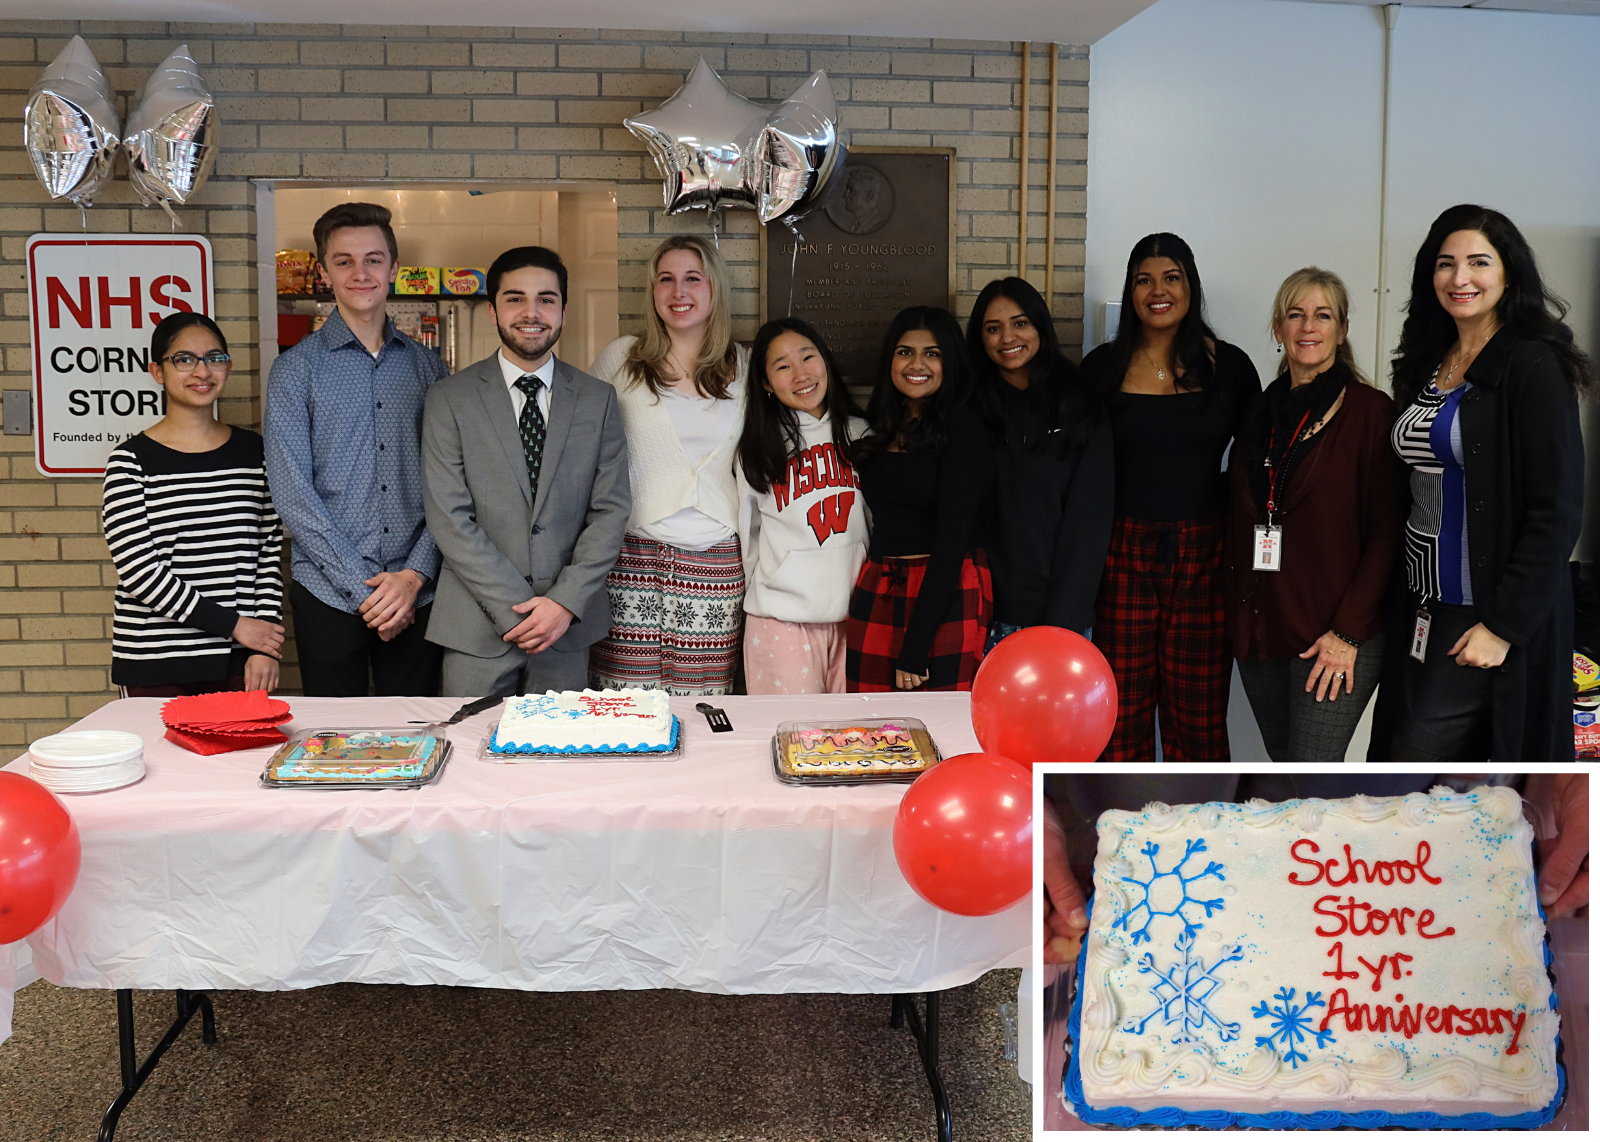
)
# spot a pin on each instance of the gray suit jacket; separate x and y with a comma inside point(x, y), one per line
point(500, 547)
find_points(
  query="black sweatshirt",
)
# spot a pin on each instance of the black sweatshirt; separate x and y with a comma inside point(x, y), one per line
point(1170, 448)
point(1048, 521)
point(926, 503)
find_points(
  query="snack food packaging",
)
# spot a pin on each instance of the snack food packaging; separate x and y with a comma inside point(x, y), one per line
point(417, 280)
point(466, 282)
point(1585, 729)
point(1585, 674)
point(295, 269)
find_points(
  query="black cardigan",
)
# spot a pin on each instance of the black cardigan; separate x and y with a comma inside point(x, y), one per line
point(1523, 461)
point(1047, 526)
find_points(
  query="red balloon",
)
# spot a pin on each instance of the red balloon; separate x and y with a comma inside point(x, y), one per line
point(1044, 694)
point(39, 855)
point(964, 834)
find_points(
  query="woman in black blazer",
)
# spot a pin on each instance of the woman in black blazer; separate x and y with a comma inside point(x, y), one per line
point(1486, 380)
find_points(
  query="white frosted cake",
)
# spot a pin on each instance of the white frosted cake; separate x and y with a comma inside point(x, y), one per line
point(586, 721)
point(1375, 962)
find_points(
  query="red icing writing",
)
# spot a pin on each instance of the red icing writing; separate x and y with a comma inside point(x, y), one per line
point(1392, 962)
point(1373, 921)
point(1338, 972)
point(1440, 1020)
point(1382, 871)
point(612, 707)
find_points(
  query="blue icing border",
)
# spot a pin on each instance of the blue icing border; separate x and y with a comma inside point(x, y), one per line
point(1172, 1116)
point(672, 744)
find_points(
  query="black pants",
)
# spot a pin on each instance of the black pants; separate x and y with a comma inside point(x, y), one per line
point(339, 650)
point(1447, 715)
point(1294, 725)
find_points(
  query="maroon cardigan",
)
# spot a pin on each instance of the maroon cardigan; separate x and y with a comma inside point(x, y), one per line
point(1341, 528)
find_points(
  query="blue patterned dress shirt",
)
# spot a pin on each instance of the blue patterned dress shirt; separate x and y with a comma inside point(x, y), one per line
point(344, 460)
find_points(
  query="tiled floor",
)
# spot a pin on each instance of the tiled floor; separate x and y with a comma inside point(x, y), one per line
point(425, 1064)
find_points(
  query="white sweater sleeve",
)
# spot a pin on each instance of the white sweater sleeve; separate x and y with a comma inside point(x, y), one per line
point(609, 362)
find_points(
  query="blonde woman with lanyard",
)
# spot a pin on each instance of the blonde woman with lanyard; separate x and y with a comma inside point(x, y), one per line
point(678, 587)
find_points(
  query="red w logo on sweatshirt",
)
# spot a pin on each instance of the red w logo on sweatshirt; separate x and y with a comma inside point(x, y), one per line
point(830, 515)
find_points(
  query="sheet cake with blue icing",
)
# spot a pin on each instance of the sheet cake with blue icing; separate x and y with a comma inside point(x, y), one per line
point(1368, 962)
point(576, 722)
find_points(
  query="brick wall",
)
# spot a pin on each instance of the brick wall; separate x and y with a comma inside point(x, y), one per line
point(418, 103)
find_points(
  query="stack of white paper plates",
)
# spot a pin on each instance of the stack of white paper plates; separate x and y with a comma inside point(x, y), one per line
point(87, 761)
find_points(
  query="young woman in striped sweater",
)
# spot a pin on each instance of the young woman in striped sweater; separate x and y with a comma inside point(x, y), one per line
point(190, 524)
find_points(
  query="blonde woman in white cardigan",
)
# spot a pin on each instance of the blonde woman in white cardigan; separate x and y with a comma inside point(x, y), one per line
point(677, 591)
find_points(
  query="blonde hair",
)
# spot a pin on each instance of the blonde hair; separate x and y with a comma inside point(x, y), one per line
point(1295, 287)
point(717, 364)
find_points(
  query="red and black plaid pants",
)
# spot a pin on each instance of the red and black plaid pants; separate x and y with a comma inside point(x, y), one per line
point(1160, 620)
point(880, 607)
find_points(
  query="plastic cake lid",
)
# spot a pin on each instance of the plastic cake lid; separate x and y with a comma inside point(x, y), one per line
point(87, 749)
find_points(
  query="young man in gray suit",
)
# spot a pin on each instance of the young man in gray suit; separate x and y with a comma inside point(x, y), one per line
point(526, 490)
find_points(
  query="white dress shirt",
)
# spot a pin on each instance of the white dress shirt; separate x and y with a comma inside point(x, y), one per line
point(514, 373)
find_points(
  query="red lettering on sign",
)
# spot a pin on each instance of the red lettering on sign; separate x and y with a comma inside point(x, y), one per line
point(55, 292)
point(109, 301)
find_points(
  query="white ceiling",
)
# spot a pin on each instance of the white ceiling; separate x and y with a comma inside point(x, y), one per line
point(1556, 7)
point(1065, 21)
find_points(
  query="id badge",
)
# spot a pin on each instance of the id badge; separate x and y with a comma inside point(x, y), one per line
point(1268, 548)
point(1419, 636)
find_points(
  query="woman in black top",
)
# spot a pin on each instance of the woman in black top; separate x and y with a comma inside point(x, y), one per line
point(1047, 521)
point(920, 610)
point(1487, 381)
point(1175, 394)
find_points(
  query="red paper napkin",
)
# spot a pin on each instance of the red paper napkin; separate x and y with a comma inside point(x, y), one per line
point(225, 721)
point(223, 743)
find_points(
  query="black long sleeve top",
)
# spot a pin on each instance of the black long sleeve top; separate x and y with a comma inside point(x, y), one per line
point(1170, 448)
point(1047, 526)
point(927, 503)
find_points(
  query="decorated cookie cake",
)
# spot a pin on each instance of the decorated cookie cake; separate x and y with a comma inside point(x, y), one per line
point(587, 721)
point(891, 749)
point(1371, 962)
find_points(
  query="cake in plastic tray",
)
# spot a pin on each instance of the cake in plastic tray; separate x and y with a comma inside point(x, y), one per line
point(405, 757)
point(854, 752)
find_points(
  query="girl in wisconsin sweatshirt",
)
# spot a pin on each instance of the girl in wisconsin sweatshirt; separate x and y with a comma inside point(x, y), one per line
point(802, 520)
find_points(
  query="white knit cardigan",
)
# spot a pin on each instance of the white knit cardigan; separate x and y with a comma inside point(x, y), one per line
point(662, 478)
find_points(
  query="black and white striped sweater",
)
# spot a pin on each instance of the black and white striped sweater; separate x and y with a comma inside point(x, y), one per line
point(196, 543)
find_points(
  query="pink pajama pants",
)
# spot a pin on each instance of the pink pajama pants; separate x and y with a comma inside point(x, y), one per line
point(793, 658)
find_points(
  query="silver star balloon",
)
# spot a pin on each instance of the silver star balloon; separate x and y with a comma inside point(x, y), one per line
point(799, 153)
point(704, 140)
point(70, 126)
point(172, 133)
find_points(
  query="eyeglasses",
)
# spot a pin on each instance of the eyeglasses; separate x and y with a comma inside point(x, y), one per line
point(185, 362)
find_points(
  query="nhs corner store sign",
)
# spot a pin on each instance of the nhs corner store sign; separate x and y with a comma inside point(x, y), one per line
point(93, 301)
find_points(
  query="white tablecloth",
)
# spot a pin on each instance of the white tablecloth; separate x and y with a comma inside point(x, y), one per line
point(702, 872)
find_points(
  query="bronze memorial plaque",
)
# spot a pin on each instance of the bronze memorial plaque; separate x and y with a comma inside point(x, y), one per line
point(885, 240)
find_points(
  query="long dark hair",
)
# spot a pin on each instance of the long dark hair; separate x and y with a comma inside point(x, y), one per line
point(771, 428)
point(1075, 408)
point(1527, 306)
point(886, 411)
point(1193, 348)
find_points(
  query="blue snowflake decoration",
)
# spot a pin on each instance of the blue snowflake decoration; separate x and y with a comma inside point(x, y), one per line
point(1184, 990)
point(1291, 1023)
point(1167, 893)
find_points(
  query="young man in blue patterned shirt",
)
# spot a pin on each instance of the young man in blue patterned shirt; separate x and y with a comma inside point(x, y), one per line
point(343, 443)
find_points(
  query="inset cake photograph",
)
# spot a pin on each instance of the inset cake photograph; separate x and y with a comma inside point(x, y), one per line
point(1314, 951)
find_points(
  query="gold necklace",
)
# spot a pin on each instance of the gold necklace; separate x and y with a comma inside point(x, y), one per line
point(1161, 374)
point(1461, 355)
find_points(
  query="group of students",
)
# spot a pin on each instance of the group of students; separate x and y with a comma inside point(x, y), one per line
point(694, 505)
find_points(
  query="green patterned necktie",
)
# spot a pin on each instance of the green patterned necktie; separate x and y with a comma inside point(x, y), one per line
point(531, 426)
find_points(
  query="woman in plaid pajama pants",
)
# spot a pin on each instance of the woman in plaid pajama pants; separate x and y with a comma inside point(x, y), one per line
point(922, 602)
point(1176, 395)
